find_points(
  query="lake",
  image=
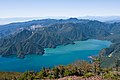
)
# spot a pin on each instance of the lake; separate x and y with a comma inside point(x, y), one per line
point(61, 55)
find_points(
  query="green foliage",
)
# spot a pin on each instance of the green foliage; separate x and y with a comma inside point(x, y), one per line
point(108, 75)
point(51, 77)
point(88, 74)
point(79, 68)
point(41, 74)
point(28, 76)
point(67, 73)
point(82, 66)
point(9, 75)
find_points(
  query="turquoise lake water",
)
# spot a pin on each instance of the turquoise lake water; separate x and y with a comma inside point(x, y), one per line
point(62, 55)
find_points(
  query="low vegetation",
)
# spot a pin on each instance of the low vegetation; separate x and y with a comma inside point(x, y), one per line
point(10, 75)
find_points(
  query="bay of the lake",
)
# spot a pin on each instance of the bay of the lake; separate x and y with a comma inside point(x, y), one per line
point(61, 55)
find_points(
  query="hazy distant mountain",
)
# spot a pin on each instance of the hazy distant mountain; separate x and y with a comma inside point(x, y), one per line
point(102, 18)
point(23, 19)
point(11, 20)
point(113, 21)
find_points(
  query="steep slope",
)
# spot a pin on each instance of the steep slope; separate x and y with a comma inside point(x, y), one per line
point(19, 45)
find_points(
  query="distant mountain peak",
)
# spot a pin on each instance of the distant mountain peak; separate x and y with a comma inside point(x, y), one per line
point(73, 18)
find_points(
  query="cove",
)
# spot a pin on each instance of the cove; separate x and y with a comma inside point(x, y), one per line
point(61, 55)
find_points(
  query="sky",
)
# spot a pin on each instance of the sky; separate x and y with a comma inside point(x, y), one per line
point(55, 8)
